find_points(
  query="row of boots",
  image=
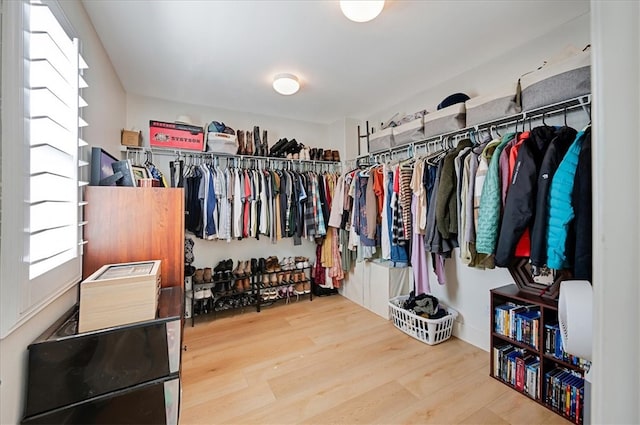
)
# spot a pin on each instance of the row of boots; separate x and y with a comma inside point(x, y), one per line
point(249, 142)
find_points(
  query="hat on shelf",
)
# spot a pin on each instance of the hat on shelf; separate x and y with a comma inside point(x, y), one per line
point(453, 99)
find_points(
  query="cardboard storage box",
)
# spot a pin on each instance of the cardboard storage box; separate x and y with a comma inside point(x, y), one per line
point(131, 138)
point(118, 294)
point(176, 136)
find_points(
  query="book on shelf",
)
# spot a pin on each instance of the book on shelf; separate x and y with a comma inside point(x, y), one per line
point(520, 373)
point(555, 348)
point(532, 386)
point(526, 324)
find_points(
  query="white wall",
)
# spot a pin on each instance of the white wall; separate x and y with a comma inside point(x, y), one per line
point(495, 72)
point(106, 116)
point(142, 109)
point(467, 289)
point(616, 202)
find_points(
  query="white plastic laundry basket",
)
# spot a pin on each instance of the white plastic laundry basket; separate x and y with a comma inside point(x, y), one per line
point(430, 331)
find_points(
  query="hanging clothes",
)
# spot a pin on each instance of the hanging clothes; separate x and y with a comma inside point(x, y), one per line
point(519, 210)
point(561, 211)
point(489, 212)
point(552, 158)
point(582, 204)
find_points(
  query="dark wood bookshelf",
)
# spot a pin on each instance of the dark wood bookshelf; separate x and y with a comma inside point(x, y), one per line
point(548, 314)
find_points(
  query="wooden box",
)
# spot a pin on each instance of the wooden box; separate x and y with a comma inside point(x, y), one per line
point(118, 294)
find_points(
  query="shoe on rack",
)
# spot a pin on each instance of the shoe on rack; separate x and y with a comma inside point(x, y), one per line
point(264, 294)
point(319, 154)
point(207, 275)
point(268, 265)
point(198, 276)
point(198, 294)
point(254, 266)
point(239, 285)
point(307, 287)
point(273, 294)
point(265, 280)
point(262, 265)
point(239, 271)
point(312, 154)
point(246, 283)
point(298, 289)
point(247, 267)
point(336, 156)
point(328, 155)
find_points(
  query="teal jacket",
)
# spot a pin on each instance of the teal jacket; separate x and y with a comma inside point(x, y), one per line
point(491, 203)
point(560, 209)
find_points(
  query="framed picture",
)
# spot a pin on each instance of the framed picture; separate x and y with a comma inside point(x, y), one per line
point(546, 283)
point(139, 172)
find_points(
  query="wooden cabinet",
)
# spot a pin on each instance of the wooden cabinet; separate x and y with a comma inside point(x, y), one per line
point(526, 352)
point(126, 224)
point(374, 283)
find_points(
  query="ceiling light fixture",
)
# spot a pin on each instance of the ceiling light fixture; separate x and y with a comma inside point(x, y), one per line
point(286, 84)
point(361, 10)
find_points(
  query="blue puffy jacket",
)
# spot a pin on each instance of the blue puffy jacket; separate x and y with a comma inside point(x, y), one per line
point(560, 209)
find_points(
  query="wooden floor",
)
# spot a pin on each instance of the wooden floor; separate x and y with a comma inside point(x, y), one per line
point(330, 361)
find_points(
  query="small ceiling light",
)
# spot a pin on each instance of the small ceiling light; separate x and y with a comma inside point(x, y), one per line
point(286, 84)
point(361, 10)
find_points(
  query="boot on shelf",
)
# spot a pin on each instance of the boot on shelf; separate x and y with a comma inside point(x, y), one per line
point(256, 140)
point(248, 150)
point(240, 135)
point(265, 144)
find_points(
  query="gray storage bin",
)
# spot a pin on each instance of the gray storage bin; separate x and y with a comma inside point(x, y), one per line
point(499, 104)
point(412, 131)
point(381, 140)
point(445, 120)
point(557, 82)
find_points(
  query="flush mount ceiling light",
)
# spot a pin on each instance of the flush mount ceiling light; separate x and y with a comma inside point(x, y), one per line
point(361, 10)
point(286, 84)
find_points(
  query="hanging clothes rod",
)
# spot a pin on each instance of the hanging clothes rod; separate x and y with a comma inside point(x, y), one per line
point(581, 102)
point(237, 159)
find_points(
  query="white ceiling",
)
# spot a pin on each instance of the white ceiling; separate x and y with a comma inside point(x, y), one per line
point(223, 54)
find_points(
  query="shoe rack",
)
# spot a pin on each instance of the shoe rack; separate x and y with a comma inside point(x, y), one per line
point(288, 280)
point(256, 282)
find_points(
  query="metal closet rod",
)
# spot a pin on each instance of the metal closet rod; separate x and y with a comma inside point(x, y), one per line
point(213, 156)
point(581, 102)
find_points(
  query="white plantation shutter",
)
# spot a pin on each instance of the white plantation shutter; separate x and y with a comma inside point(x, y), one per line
point(52, 190)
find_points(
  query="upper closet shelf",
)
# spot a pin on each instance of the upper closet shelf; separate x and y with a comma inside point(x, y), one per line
point(580, 102)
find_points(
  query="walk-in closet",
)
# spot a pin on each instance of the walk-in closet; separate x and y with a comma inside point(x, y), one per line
point(271, 212)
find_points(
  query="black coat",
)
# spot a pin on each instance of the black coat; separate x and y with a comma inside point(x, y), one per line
point(552, 158)
point(581, 200)
point(519, 208)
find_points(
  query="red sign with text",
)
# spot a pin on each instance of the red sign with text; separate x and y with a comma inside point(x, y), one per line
point(176, 136)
